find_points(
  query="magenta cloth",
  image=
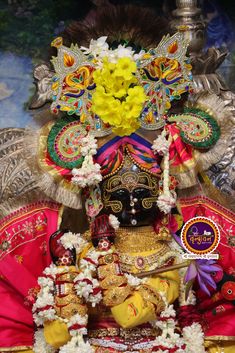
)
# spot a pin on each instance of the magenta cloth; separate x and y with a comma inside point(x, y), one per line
point(24, 253)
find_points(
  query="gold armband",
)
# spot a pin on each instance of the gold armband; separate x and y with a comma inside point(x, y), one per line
point(151, 295)
point(107, 270)
point(113, 281)
point(116, 295)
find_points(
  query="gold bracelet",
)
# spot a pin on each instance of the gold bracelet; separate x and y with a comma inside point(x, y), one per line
point(113, 281)
point(116, 295)
point(151, 295)
point(107, 270)
point(67, 311)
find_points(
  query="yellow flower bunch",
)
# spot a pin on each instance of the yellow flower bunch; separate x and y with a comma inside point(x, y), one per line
point(118, 100)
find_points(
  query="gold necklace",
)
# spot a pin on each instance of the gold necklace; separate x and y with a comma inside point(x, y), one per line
point(139, 239)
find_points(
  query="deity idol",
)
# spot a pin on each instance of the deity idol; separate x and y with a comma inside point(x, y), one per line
point(129, 134)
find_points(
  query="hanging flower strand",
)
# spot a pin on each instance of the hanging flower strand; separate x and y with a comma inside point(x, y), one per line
point(166, 201)
point(89, 173)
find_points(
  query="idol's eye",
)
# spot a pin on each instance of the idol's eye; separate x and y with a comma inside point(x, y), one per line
point(141, 193)
point(121, 194)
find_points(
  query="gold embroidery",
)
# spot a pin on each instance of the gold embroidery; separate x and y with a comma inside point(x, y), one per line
point(124, 333)
point(15, 349)
point(131, 180)
point(141, 262)
point(67, 276)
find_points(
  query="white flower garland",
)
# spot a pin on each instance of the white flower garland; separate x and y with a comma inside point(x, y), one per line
point(167, 200)
point(192, 336)
point(86, 286)
point(114, 222)
point(40, 345)
point(89, 173)
point(43, 309)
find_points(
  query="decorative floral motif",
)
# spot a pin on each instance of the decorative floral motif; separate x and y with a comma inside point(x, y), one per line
point(22, 233)
point(118, 87)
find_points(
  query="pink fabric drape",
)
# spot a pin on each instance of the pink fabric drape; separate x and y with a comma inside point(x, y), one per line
point(24, 253)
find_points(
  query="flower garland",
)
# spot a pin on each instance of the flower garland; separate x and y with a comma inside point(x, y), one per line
point(114, 222)
point(118, 100)
point(87, 287)
point(89, 173)
point(44, 307)
point(166, 201)
point(44, 310)
point(191, 340)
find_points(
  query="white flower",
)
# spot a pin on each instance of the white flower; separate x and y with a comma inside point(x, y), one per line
point(46, 298)
point(83, 289)
point(44, 315)
point(51, 270)
point(113, 221)
point(46, 282)
point(88, 174)
point(78, 319)
point(161, 144)
point(166, 202)
point(132, 280)
point(40, 345)
point(71, 240)
point(89, 145)
point(98, 48)
point(77, 345)
point(194, 338)
point(168, 312)
point(95, 299)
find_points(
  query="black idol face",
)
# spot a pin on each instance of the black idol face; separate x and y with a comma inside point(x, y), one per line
point(131, 195)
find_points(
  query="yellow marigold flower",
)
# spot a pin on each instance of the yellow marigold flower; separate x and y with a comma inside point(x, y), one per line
point(137, 94)
point(132, 109)
point(125, 67)
point(115, 101)
point(126, 130)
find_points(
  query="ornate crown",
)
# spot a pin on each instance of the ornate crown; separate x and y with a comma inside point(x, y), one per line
point(119, 89)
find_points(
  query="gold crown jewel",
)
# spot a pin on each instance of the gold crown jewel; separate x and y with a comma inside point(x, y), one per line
point(117, 89)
